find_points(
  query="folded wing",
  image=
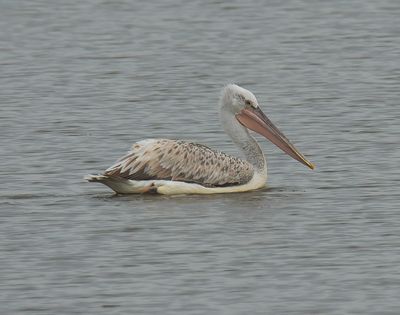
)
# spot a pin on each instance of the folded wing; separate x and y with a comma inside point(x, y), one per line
point(163, 159)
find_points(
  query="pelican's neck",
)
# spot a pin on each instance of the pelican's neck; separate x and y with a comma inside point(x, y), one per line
point(242, 138)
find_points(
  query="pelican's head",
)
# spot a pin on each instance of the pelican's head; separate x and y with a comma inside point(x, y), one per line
point(241, 104)
point(235, 98)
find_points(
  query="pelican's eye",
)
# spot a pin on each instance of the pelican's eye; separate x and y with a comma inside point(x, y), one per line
point(248, 103)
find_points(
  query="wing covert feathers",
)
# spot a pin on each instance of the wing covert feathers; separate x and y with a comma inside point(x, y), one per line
point(163, 159)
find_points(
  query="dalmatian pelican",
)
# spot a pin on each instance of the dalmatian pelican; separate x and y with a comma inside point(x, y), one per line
point(170, 167)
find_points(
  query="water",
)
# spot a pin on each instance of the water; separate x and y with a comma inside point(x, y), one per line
point(82, 80)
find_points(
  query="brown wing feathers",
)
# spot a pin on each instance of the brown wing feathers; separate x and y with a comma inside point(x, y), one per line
point(181, 161)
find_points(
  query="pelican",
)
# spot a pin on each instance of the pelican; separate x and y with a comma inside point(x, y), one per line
point(170, 167)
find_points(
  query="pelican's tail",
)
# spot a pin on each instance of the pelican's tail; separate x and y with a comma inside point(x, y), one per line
point(123, 186)
point(95, 178)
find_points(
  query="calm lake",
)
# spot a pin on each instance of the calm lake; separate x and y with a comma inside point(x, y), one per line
point(80, 81)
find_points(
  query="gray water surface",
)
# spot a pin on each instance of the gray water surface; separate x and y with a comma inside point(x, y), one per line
point(80, 81)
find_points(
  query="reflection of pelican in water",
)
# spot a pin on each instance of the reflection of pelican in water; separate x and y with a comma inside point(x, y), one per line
point(178, 167)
